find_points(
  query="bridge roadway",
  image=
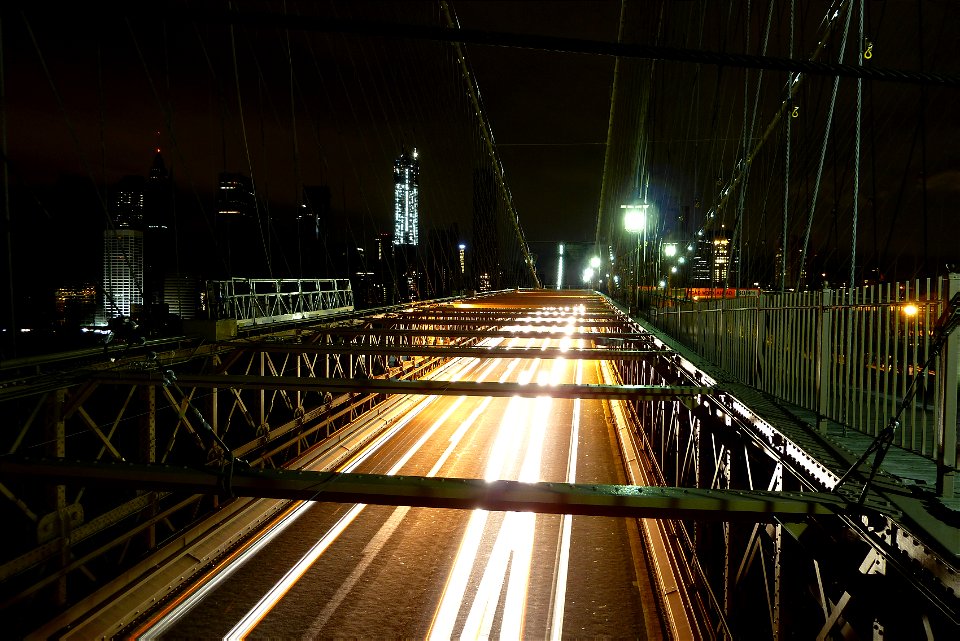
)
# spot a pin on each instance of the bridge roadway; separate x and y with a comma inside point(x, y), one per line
point(380, 571)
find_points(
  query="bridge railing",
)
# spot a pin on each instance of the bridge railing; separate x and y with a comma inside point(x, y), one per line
point(848, 355)
point(255, 301)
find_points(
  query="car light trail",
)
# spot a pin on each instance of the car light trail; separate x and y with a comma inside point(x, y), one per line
point(509, 562)
point(282, 587)
point(168, 617)
point(563, 561)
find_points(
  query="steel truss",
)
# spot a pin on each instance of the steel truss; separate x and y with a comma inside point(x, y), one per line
point(865, 573)
point(249, 406)
point(154, 407)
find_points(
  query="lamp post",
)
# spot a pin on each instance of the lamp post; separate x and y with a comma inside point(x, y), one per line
point(594, 268)
point(635, 222)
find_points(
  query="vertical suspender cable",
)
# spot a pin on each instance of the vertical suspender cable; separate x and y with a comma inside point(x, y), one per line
point(823, 152)
point(923, 143)
point(736, 247)
point(297, 178)
point(6, 197)
point(856, 164)
point(738, 229)
point(786, 169)
point(246, 148)
point(608, 148)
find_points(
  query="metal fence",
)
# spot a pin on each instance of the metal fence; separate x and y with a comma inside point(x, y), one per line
point(848, 355)
point(253, 301)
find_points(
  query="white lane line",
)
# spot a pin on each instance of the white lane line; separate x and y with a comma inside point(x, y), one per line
point(560, 592)
point(446, 616)
point(266, 603)
point(170, 619)
point(369, 555)
point(510, 560)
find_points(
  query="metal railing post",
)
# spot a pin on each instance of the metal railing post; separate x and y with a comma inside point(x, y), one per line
point(824, 359)
point(947, 407)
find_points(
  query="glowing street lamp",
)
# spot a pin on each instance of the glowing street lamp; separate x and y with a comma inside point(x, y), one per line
point(635, 222)
point(595, 262)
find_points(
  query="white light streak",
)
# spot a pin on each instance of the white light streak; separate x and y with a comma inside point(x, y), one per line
point(566, 523)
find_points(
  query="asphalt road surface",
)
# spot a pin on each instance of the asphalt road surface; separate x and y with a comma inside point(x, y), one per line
point(378, 571)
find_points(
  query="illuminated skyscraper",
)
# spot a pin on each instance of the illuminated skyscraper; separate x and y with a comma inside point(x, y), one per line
point(716, 262)
point(122, 272)
point(123, 251)
point(406, 198)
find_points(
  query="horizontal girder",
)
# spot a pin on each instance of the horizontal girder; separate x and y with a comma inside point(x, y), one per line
point(393, 386)
point(457, 493)
point(450, 351)
point(539, 332)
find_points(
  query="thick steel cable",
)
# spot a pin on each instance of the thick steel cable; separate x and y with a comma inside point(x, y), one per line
point(559, 44)
point(823, 153)
point(607, 159)
point(246, 148)
point(487, 132)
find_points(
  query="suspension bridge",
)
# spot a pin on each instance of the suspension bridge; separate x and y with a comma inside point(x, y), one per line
point(738, 421)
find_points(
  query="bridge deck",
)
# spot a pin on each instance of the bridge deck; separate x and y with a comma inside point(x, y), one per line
point(905, 480)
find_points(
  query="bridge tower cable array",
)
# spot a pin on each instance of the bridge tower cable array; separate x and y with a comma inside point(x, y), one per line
point(488, 139)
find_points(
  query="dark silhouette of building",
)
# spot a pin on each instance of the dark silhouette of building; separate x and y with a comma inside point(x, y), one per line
point(238, 228)
point(486, 262)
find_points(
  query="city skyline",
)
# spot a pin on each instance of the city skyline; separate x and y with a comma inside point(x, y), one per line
point(293, 108)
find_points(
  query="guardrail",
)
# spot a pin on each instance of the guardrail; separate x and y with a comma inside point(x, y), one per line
point(255, 301)
point(848, 355)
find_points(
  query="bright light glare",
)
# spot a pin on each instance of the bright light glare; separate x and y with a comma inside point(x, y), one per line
point(587, 274)
point(910, 309)
point(635, 220)
point(595, 262)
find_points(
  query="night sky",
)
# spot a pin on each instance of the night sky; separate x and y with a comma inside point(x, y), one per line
point(90, 95)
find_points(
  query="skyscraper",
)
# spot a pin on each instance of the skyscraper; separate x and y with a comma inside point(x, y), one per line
point(235, 196)
point(238, 227)
point(486, 233)
point(122, 272)
point(406, 193)
point(160, 259)
point(123, 251)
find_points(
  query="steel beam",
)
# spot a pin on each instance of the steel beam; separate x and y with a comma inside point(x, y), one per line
point(451, 351)
point(526, 321)
point(493, 333)
point(392, 386)
point(545, 498)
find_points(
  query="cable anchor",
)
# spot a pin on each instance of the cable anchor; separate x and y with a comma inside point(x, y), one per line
point(869, 52)
point(795, 113)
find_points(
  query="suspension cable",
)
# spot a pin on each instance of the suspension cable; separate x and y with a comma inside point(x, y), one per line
point(491, 145)
point(856, 162)
point(823, 153)
point(608, 148)
point(246, 148)
point(786, 170)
